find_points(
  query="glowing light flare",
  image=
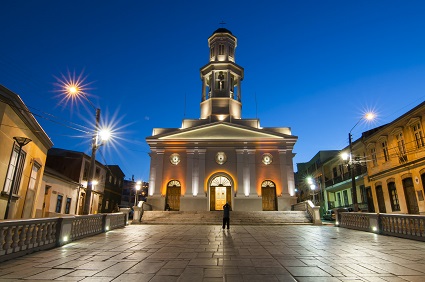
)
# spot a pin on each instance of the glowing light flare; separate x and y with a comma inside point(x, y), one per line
point(370, 116)
point(72, 88)
point(105, 134)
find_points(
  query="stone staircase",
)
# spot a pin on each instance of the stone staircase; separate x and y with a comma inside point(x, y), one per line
point(216, 217)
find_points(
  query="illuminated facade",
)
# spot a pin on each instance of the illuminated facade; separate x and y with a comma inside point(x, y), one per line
point(221, 157)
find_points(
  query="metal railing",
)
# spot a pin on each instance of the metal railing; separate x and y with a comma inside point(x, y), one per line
point(21, 237)
point(400, 225)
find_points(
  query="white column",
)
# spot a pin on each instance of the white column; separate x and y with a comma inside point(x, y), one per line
point(240, 172)
point(251, 173)
point(189, 172)
point(156, 171)
point(201, 172)
point(287, 172)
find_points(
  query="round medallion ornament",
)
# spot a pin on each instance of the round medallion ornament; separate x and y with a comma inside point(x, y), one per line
point(267, 159)
point(175, 158)
point(220, 158)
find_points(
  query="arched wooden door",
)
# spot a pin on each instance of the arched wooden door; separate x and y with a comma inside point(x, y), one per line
point(220, 192)
point(410, 195)
point(268, 193)
point(380, 198)
point(172, 201)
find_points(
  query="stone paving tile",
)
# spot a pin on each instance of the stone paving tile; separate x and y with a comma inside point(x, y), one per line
point(49, 274)
point(245, 253)
point(312, 271)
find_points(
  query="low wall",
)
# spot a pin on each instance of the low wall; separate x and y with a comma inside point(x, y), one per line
point(400, 225)
point(21, 237)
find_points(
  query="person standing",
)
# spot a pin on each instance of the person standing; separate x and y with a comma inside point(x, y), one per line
point(226, 215)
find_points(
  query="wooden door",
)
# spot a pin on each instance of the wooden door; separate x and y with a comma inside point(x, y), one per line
point(269, 198)
point(173, 198)
point(380, 197)
point(370, 205)
point(220, 197)
point(410, 195)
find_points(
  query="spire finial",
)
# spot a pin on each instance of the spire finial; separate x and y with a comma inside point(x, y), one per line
point(222, 23)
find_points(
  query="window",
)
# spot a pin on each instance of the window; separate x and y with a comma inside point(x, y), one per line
point(33, 177)
point(384, 146)
point(393, 196)
point(11, 171)
point(373, 155)
point(110, 178)
point(59, 204)
point(97, 173)
point(68, 205)
point(335, 173)
point(212, 52)
point(231, 51)
point(338, 196)
point(345, 197)
point(417, 132)
point(401, 147)
point(221, 49)
point(86, 170)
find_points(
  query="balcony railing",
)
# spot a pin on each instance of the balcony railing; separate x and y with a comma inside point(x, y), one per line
point(346, 176)
point(400, 225)
point(21, 237)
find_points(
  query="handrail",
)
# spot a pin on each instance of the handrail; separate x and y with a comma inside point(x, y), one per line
point(400, 225)
point(21, 237)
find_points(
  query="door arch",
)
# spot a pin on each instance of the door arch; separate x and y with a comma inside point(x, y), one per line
point(268, 193)
point(172, 200)
point(220, 192)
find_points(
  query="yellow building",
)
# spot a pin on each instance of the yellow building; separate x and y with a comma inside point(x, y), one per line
point(396, 166)
point(17, 121)
point(221, 157)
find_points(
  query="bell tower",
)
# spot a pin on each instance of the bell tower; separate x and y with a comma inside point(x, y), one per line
point(221, 79)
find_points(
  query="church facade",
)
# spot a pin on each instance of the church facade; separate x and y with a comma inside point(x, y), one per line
point(221, 157)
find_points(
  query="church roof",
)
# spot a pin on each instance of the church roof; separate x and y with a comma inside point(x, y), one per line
point(222, 30)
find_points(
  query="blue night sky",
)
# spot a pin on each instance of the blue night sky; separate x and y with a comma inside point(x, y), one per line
point(314, 66)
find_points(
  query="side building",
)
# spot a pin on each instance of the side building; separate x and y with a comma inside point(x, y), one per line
point(113, 188)
point(75, 166)
point(388, 165)
point(24, 146)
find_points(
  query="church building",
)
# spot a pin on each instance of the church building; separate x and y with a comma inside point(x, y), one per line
point(221, 157)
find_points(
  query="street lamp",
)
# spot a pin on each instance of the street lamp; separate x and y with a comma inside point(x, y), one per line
point(138, 187)
point(369, 117)
point(312, 187)
point(72, 89)
point(22, 141)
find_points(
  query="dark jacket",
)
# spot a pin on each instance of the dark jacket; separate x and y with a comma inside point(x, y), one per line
point(226, 210)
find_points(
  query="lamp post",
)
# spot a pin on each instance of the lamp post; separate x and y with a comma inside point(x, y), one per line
point(312, 187)
point(351, 163)
point(138, 187)
point(22, 141)
point(73, 90)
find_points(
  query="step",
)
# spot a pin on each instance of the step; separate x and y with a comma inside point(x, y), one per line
point(215, 217)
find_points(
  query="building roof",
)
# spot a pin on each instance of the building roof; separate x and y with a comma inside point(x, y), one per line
point(222, 30)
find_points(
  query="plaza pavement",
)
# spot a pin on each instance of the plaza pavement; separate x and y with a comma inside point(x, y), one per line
point(208, 253)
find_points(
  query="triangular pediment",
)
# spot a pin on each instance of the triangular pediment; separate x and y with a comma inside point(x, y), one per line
point(220, 132)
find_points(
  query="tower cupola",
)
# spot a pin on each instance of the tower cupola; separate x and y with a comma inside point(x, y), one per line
point(221, 79)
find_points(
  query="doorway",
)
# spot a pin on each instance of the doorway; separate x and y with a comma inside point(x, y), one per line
point(220, 192)
point(380, 198)
point(410, 195)
point(172, 201)
point(268, 194)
